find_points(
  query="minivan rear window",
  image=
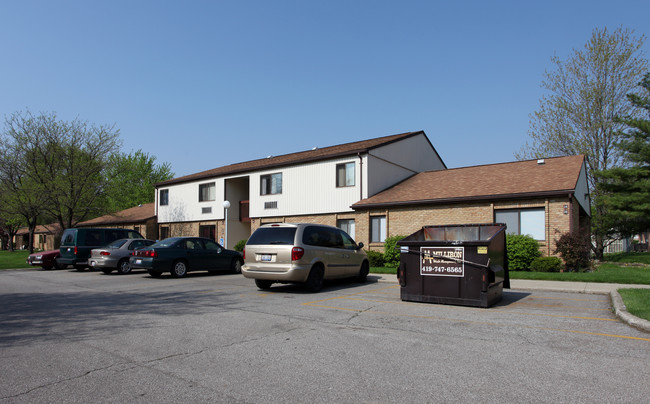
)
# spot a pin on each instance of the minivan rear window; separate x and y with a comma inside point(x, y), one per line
point(272, 235)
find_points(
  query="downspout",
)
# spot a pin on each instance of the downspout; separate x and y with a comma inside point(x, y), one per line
point(570, 213)
point(360, 175)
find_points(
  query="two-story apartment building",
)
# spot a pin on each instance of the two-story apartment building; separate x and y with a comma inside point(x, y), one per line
point(317, 185)
point(375, 188)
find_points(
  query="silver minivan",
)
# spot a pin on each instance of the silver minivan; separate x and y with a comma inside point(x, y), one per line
point(302, 253)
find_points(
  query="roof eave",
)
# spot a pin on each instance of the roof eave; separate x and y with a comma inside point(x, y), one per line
point(443, 201)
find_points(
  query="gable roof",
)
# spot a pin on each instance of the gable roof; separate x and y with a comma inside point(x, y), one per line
point(137, 214)
point(520, 179)
point(316, 154)
point(52, 228)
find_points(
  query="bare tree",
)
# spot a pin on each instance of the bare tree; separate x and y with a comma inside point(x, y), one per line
point(62, 162)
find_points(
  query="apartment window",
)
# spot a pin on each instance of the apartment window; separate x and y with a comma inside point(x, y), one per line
point(345, 175)
point(207, 192)
point(347, 225)
point(377, 229)
point(523, 221)
point(164, 197)
point(271, 184)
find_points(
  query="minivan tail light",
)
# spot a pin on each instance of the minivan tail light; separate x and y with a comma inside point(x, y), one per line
point(75, 250)
point(244, 252)
point(297, 253)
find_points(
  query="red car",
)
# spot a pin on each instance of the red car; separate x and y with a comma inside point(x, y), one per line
point(45, 259)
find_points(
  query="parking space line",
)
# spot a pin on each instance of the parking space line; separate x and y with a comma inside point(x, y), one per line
point(566, 298)
point(483, 322)
point(555, 306)
point(465, 308)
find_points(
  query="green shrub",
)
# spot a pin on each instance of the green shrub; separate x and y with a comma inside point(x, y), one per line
point(375, 258)
point(391, 252)
point(575, 251)
point(546, 264)
point(522, 250)
point(240, 245)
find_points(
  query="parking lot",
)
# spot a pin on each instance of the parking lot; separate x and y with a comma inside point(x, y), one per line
point(67, 336)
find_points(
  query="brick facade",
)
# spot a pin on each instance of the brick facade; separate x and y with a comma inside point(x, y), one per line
point(405, 220)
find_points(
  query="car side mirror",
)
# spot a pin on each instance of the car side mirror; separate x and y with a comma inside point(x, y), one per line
point(359, 246)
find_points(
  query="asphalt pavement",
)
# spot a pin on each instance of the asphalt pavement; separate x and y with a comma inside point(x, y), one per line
point(573, 287)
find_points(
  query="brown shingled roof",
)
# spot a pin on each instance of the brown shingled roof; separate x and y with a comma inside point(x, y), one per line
point(294, 158)
point(138, 214)
point(557, 175)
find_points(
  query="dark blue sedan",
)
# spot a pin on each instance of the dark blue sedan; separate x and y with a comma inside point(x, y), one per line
point(180, 255)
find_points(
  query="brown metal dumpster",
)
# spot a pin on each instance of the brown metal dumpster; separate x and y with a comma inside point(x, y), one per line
point(462, 264)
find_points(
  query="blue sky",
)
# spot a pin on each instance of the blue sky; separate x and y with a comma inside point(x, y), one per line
point(201, 84)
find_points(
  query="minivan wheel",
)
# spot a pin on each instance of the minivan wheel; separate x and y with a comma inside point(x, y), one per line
point(263, 284)
point(123, 267)
point(179, 269)
point(235, 266)
point(315, 280)
point(363, 272)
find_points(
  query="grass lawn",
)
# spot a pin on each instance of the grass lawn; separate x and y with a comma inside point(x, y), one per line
point(383, 270)
point(14, 260)
point(606, 272)
point(637, 302)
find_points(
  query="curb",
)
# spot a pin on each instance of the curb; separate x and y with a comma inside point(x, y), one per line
point(621, 312)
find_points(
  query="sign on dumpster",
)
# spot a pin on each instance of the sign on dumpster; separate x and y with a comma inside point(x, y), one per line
point(442, 261)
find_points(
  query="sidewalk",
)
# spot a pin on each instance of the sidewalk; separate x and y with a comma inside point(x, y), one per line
point(569, 287)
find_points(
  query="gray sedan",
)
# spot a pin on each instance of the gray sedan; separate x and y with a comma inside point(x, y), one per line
point(116, 255)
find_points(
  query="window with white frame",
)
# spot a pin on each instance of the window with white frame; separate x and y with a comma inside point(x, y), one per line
point(271, 184)
point(523, 221)
point(207, 192)
point(377, 229)
point(347, 225)
point(345, 175)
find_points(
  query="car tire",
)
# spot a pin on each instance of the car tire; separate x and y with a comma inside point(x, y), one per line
point(314, 281)
point(80, 268)
point(123, 267)
point(107, 270)
point(154, 274)
point(363, 272)
point(235, 266)
point(263, 284)
point(179, 269)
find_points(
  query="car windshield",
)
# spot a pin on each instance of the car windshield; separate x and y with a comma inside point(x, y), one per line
point(116, 243)
point(272, 235)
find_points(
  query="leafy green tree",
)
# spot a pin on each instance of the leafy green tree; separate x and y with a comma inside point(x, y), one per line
point(62, 161)
point(626, 190)
point(586, 92)
point(131, 178)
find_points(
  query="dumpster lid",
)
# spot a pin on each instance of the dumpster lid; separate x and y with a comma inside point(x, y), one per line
point(454, 234)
